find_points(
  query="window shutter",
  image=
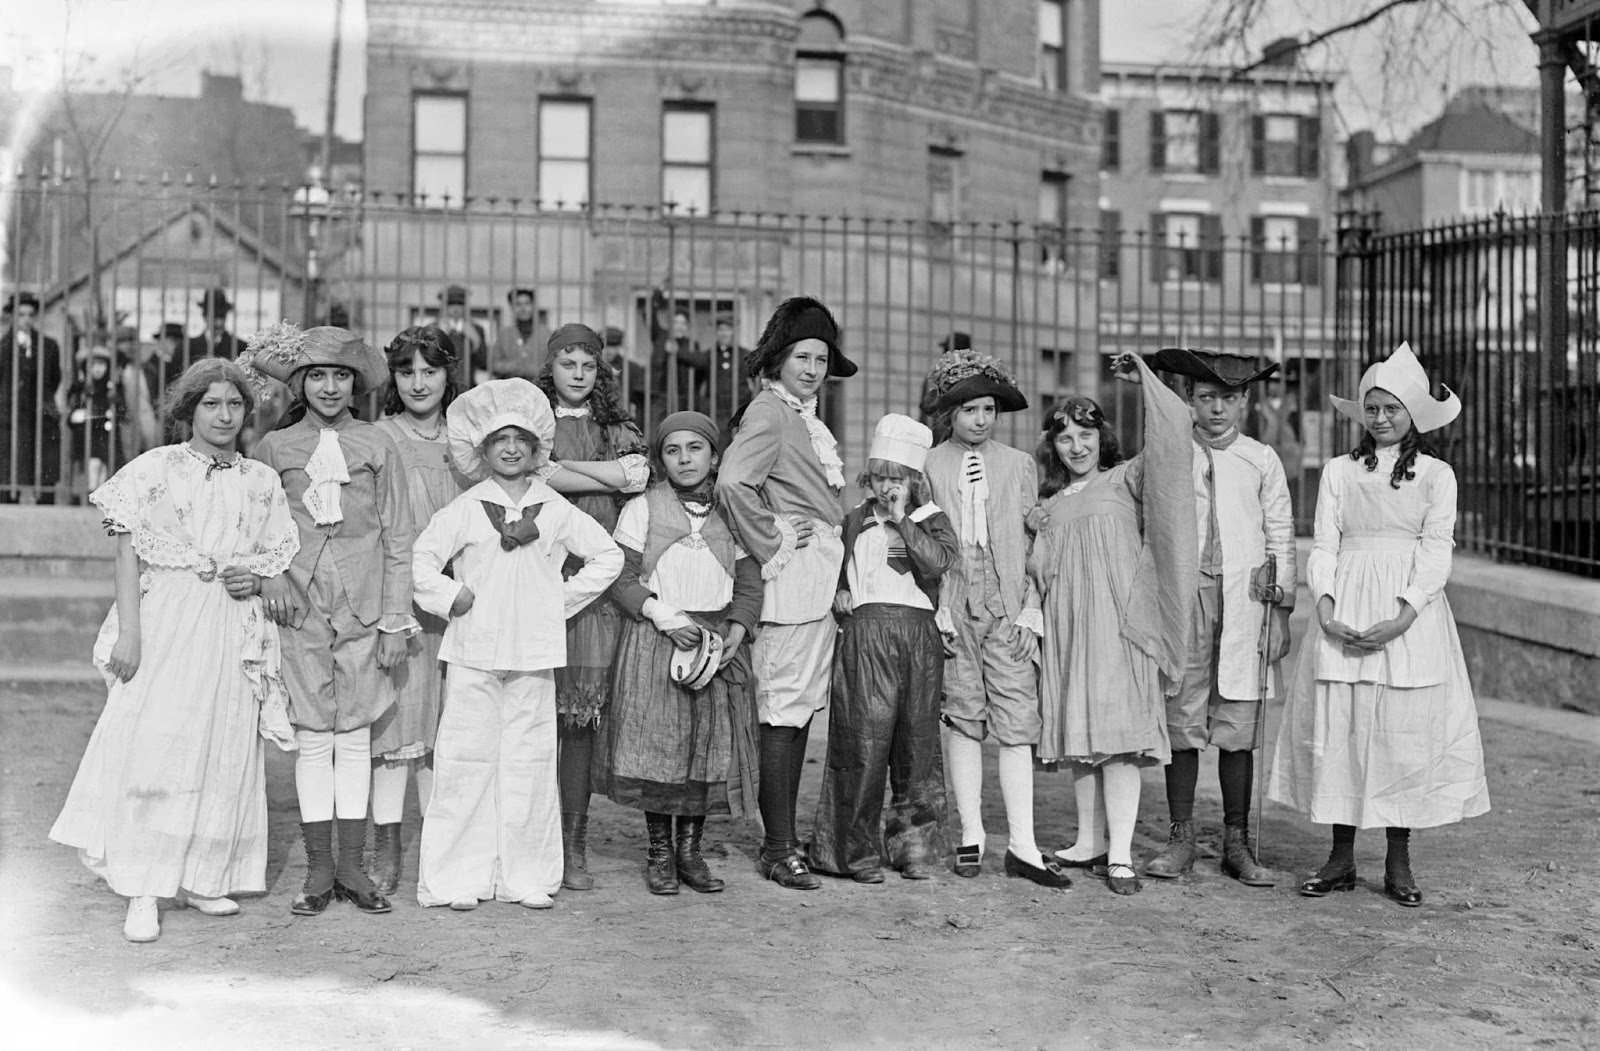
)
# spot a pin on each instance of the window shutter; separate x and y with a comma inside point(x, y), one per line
point(1111, 141)
point(1211, 247)
point(1158, 247)
point(1110, 243)
point(1310, 152)
point(1258, 151)
point(1210, 143)
point(1310, 252)
point(1258, 234)
point(1158, 141)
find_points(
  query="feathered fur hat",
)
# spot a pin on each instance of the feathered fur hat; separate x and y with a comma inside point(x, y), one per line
point(961, 375)
point(795, 319)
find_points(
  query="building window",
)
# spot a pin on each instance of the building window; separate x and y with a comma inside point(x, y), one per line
point(1110, 243)
point(944, 185)
point(1053, 45)
point(1284, 144)
point(687, 155)
point(439, 149)
point(819, 81)
point(1485, 191)
point(1185, 142)
point(1054, 191)
point(564, 148)
point(1111, 141)
point(1284, 250)
point(1185, 246)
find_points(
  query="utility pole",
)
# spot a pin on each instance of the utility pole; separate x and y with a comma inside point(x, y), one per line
point(333, 91)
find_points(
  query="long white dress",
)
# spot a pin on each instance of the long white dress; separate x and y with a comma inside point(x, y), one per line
point(1388, 737)
point(171, 793)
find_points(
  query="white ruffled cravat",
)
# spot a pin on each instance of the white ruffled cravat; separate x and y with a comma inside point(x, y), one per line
point(327, 471)
point(823, 442)
point(974, 498)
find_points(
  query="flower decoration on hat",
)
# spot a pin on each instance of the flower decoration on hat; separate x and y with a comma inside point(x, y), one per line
point(962, 375)
point(284, 349)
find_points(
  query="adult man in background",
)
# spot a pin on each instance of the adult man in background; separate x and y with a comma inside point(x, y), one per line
point(33, 400)
point(519, 347)
point(215, 341)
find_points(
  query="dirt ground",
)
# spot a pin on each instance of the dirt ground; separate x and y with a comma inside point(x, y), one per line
point(1506, 951)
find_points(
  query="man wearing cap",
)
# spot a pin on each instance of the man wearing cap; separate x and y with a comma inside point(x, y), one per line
point(678, 364)
point(215, 341)
point(519, 348)
point(466, 335)
point(33, 399)
point(1244, 518)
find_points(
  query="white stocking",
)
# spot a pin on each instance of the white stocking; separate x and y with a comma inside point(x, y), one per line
point(389, 778)
point(1016, 791)
point(1086, 789)
point(1121, 780)
point(963, 764)
point(313, 774)
point(352, 773)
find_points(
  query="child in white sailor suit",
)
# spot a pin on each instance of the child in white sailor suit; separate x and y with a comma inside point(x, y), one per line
point(493, 826)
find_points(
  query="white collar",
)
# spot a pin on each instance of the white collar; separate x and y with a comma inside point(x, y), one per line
point(489, 491)
point(564, 412)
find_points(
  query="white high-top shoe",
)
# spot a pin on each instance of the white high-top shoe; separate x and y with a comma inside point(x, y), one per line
point(144, 921)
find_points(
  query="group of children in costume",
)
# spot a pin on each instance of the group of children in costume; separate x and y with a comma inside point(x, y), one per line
point(492, 591)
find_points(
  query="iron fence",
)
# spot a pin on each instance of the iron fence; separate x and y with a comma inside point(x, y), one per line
point(1055, 302)
point(1523, 354)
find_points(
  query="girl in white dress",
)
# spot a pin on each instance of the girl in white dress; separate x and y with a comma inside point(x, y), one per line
point(170, 799)
point(1380, 727)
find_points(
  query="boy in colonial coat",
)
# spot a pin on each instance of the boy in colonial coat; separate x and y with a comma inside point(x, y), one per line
point(1244, 515)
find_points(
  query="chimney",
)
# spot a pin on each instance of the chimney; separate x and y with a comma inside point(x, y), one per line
point(220, 87)
point(1281, 53)
point(1359, 157)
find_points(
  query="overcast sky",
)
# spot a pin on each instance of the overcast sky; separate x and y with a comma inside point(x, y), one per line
point(281, 49)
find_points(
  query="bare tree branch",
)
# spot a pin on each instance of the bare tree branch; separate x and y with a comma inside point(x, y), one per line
point(1277, 54)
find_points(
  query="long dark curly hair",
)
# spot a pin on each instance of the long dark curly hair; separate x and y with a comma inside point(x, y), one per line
point(1083, 412)
point(1412, 445)
point(606, 406)
point(436, 349)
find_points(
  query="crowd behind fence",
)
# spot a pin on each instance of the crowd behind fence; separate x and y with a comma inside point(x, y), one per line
point(681, 297)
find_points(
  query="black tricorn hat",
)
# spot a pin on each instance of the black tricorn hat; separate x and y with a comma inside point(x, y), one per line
point(800, 317)
point(1234, 371)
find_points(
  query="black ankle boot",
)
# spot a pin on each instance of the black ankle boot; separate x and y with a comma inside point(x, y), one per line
point(350, 883)
point(692, 867)
point(1339, 871)
point(1398, 883)
point(660, 869)
point(318, 888)
point(575, 852)
point(387, 848)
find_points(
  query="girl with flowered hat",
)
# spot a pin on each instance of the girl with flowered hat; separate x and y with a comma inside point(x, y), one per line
point(346, 599)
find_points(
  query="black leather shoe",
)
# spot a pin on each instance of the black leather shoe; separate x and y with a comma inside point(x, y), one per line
point(363, 899)
point(1122, 879)
point(1323, 883)
point(311, 904)
point(1406, 894)
point(969, 861)
point(872, 875)
point(790, 872)
point(1051, 875)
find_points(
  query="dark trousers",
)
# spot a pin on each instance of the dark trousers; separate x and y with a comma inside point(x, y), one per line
point(883, 719)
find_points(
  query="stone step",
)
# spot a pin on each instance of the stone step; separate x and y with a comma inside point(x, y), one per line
point(66, 566)
point(48, 620)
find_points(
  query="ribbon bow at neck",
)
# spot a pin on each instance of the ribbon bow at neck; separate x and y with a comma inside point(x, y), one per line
point(974, 498)
point(894, 544)
point(514, 532)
